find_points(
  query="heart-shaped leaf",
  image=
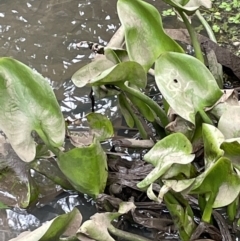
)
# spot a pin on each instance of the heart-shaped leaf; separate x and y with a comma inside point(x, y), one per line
point(174, 148)
point(186, 84)
point(144, 46)
point(85, 168)
point(28, 103)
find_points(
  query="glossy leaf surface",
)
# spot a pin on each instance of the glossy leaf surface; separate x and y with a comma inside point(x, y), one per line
point(144, 46)
point(28, 103)
point(181, 77)
point(85, 168)
point(173, 149)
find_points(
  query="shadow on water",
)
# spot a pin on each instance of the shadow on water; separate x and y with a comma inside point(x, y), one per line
point(43, 34)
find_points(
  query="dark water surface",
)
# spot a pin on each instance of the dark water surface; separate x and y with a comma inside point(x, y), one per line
point(43, 34)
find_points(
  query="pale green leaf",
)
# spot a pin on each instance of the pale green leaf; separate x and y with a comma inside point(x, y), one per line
point(186, 84)
point(85, 168)
point(144, 34)
point(173, 149)
point(28, 103)
point(84, 75)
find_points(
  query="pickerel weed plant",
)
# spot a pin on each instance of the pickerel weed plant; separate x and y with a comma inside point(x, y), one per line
point(203, 117)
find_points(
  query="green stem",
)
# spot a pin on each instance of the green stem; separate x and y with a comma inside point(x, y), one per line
point(205, 117)
point(193, 36)
point(138, 123)
point(206, 26)
point(125, 235)
point(152, 104)
point(207, 214)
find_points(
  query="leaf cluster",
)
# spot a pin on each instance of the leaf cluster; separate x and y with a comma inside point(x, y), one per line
point(197, 114)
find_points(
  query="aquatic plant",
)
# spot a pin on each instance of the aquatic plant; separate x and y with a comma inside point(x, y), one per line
point(203, 118)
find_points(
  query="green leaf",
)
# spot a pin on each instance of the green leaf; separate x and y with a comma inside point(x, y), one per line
point(221, 180)
point(173, 149)
point(28, 103)
point(124, 71)
point(85, 168)
point(84, 75)
point(144, 34)
point(100, 126)
point(100, 224)
point(212, 139)
point(229, 123)
point(186, 84)
point(53, 229)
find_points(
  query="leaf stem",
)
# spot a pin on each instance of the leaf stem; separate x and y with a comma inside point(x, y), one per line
point(205, 117)
point(152, 104)
point(137, 121)
point(206, 26)
point(193, 36)
point(125, 235)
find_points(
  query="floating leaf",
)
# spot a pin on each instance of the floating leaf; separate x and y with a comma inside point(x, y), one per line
point(100, 125)
point(184, 79)
point(28, 103)
point(174, 148)
point(144, 46)
point(85, 168)
point(53, 229)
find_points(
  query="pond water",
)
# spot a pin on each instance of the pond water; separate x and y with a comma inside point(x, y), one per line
point(43, 34)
